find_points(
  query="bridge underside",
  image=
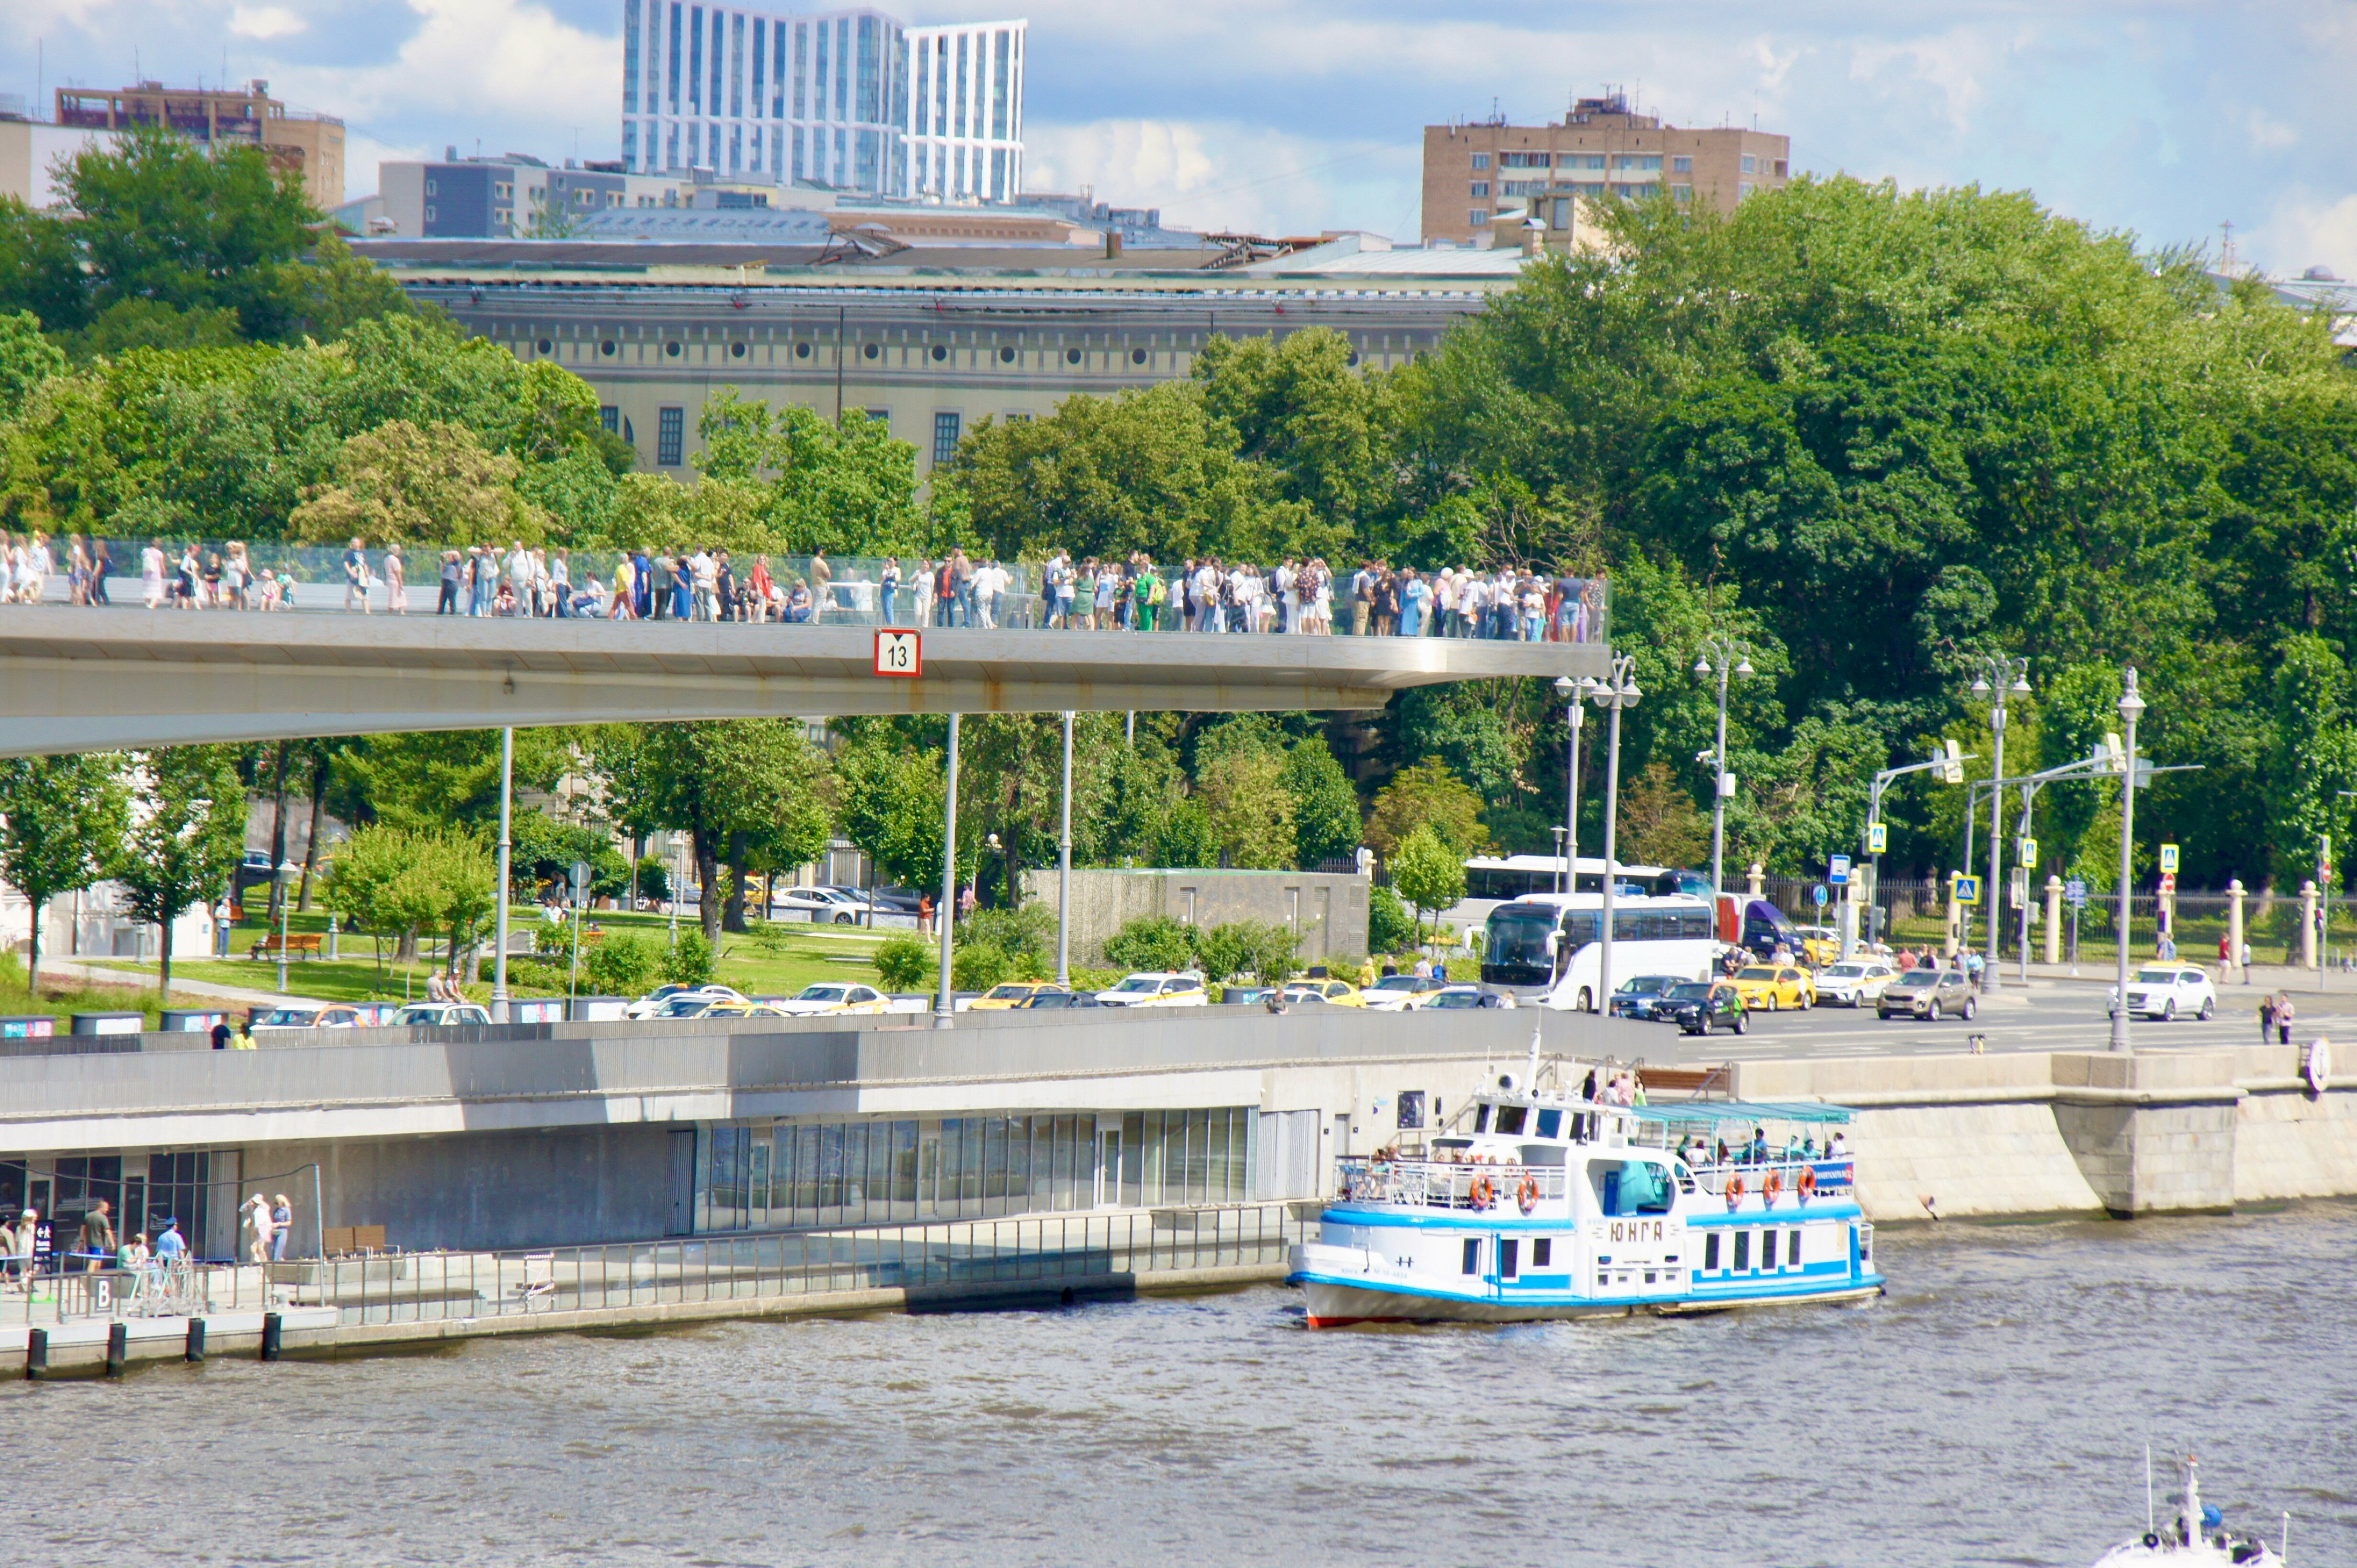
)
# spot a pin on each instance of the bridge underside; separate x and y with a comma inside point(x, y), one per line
point(82, 680)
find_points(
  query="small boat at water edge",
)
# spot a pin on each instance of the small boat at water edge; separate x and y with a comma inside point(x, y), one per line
point(2197, 1535)
point(1537, 1204)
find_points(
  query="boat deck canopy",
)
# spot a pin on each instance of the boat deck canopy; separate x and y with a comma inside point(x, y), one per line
point(1715, 1111)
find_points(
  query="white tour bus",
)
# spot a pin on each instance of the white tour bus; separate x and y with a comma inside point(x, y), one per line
point(1546, 947)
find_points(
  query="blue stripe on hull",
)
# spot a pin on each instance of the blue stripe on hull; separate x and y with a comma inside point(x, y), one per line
point(1508, 1219)
point(1549, 1303)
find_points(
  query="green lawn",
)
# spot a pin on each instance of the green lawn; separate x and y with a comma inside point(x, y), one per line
point(799, 955)
point(61, 998)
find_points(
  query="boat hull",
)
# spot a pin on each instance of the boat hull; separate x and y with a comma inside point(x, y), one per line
point(1336, 1301)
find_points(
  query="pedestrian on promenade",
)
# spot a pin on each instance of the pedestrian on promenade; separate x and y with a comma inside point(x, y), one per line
point(221, 1033)
point(396, 582)
point(2283, 1011)
point(967, 903)
point(281, 1220)
point(7, 1252)
point(2244, 956)
point(356, 576)
point(2267, 1016)
point(257, 1226)
point(925, 915)
point(95, 1240)
point(20, 1250)
point(171, 1246)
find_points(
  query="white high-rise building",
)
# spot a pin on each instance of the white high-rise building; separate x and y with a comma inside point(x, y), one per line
point(854, 99)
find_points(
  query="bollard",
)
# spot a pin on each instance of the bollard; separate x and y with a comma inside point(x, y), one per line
point(37, 1353)
point(118, 1347)
point(272, 1325)
point(195, 1347)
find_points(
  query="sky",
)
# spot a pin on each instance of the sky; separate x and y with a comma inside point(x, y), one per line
point(2169, 120)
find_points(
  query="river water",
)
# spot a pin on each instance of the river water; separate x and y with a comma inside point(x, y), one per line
point(1992, 1409)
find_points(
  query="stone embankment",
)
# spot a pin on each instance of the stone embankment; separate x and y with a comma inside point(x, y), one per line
point(2078, 1133)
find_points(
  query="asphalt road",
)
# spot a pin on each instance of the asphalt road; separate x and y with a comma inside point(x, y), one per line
point(2044, 1015)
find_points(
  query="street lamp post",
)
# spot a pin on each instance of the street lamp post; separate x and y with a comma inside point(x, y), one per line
point(499, 958)
point(1998, 679)
point(1569, 692)
point(285, 875)
point(2131, 709)
point(1732, 658)
point(1064, 869)
point(944, 1003)
point(1616, 693)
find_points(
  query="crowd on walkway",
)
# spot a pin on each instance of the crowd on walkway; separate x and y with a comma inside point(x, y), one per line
point(1303, 596)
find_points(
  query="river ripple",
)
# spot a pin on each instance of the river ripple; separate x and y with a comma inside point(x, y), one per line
point(1992, 1409)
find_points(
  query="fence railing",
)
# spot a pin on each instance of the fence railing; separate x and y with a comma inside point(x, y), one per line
point(417, 1287)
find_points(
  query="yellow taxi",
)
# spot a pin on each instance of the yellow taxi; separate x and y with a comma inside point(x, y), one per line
point(1820, 945)
point(1014, 993)
point(1769, 987)
point(744, 1010)
point(1334, 993)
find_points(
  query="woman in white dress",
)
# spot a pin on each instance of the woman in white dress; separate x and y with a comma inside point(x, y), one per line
point(233, 576)
point(396, 582)
point(151, 572)
point(36, 569)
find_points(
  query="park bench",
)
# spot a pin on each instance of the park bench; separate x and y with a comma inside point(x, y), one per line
point(297, 944)
point(347, 1240)
point(1692, 1079)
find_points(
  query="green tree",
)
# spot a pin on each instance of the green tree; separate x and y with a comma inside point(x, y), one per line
point(61, 819)
point(689, 960)
point(1428, 874)
point(429, 779)
point(1326, 823)
point(1389, 927)
point(1152, 942)
point(1251, 812)
point(27, 359)
point(399, 484)
point(1427, 794)
point(808, 484)
point(185, 815)
point(907, 962)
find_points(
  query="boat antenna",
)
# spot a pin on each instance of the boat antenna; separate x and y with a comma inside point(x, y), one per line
point(2147, 1487)
point(1535, 1055)
point(2286, 1552)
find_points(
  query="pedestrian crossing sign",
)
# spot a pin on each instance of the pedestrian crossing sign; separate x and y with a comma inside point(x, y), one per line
point(1877, 838)
point(1964, 889)
point(2168, 858)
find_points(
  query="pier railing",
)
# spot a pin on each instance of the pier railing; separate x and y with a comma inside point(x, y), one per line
point(413, 1287)
point(1448, 1183)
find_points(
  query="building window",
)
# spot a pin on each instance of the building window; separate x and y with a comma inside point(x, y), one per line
point(612, 418)
point(1522, 187)
point(1649, 164)
point(671, 430)
point(1681, 193)
point(1480, 188)
point(1525, 160)
point(1480, 160)
point(429, 218)
point(879, 416)
point(1477, 218)
point(431, 190)
point(1750, 163)
point(1581, 160)
point(1778, 168)
point(945, 437)
point(1682, 165)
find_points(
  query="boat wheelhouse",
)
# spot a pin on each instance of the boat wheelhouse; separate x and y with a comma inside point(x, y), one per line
point(1537, 1204)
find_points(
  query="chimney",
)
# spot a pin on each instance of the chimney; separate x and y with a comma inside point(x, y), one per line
point(1533, 237)
point(450, 153)
point(1112, 245)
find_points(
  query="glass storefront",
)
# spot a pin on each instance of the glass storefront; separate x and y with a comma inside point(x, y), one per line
point(795, 1174)
point(142, 1189)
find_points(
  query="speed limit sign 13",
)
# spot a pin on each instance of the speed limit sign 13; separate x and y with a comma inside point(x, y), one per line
point(898, 653)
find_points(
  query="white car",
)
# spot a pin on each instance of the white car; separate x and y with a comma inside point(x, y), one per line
point(1157, 988)
point(2169, 992)
point(1859, 983)
point(1400, 992)
point(831, 996)
point(821, 906)
point(661, 996)
point(443, 1012)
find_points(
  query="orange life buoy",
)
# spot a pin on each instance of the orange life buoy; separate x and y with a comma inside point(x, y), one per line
point(1770, 1190)
point(1734, 1193)
point(1526, 1193)
point(1807, 1184)
point(1481, 1195)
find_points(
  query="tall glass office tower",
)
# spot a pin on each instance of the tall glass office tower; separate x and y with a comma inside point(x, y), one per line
point(855, 99)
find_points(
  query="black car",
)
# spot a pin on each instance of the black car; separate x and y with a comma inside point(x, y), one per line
point(1061, 999)
point(1642, 997)
point(1698, 1006)
point(889, 900)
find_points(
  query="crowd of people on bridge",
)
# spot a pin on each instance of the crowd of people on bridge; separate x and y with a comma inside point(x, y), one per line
point(1298, 595)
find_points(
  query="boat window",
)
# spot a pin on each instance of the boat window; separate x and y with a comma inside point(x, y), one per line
point(1792, 1248)
point(1510, 1119)
point(1710, 1251)
point(1550, 1123)
point(1542, 1154)
point(1473, 1255)
point(1541, 1252)
point(1509, 1258)
point(1482, 1119)
point(1742, 1250)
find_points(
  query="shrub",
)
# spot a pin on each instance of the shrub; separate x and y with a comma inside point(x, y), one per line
point(689, 961)
point(623, 964)
point(1151, 941)
point(1389, 927)
point(1030, 929)
point(654, 881)
point(978, 966)
point(906, 962)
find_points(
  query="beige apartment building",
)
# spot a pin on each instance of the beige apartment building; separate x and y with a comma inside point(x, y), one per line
point(1479, 179)
point(310, 144)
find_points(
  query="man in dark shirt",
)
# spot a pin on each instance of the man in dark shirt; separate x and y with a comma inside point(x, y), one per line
point(96, 1238)
point(725, 588)
point(220, 1036)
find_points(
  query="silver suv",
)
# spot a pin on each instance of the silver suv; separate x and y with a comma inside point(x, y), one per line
point(1928, 993)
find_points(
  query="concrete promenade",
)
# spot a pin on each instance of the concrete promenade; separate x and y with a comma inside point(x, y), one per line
point(83, 679)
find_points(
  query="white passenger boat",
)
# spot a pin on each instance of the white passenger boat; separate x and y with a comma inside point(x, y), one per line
point(2197, 1535)
point(1537, 1204)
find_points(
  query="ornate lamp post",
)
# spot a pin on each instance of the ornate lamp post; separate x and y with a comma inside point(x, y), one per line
point(1721, 656)
point(1616, 693)
point(1998, 679)
point(2131, 709)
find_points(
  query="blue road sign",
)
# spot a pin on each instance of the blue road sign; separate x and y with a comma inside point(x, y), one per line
point(1837, 870)
point(1818, 895)
point(1967, 889)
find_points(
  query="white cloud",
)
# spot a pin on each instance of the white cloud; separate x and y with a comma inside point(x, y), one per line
point(2306, 231)
point(1218, 175)
point(2269, 134)
point(265, 22)
point(1952, 64)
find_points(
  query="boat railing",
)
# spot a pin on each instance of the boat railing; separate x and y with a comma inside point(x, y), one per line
point(1789, 1177)
point(1448, 1183)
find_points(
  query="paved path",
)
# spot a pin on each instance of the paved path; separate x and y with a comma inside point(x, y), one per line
point(103, 974)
